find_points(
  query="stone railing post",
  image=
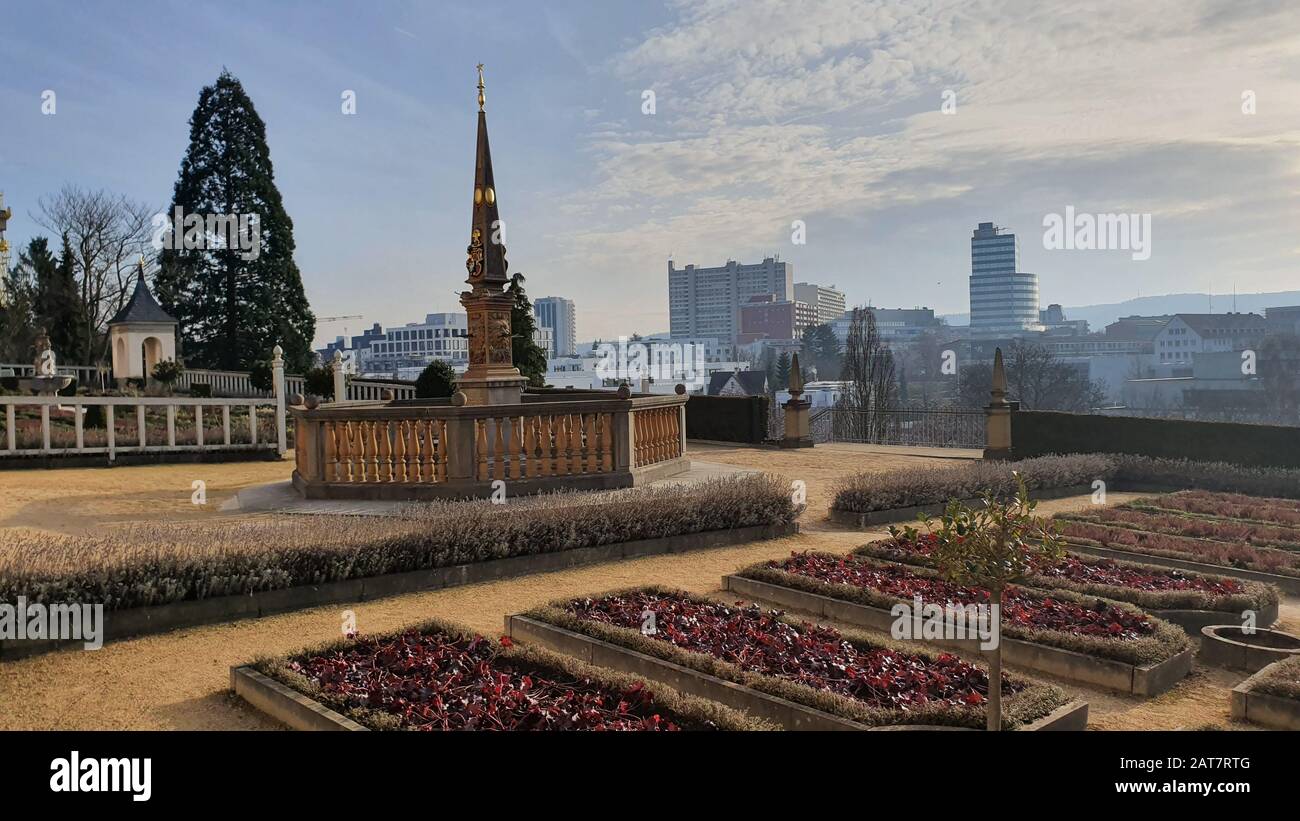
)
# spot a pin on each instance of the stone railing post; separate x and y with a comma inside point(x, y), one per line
point(340, 380)
point(798, 429)
point(277, 384)
point(462, 464)
point(997, 414)
point(624, 434)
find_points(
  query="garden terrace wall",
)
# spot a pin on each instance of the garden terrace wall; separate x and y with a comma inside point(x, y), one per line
point(1190, 609)
point(284, 688)
point(727, 418)
point(794, 706)
point(1139, 679)
point(1037, 433)
point(1271, 697)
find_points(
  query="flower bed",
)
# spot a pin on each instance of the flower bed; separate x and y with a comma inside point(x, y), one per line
point(1205, 551)
point(872, 683)
point(1147, 586)
point(1196, 527)
point(1061, 619)
point(439, 677)
point(869, 492)
point(1230, 506)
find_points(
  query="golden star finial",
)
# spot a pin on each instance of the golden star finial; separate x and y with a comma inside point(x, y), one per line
point(480, 87)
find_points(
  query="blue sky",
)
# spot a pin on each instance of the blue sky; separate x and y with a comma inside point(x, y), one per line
point(826, 111)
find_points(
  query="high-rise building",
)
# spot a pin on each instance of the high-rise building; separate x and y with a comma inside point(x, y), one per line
point(1003, 299)
point(766, 317)
point(706, 301)
point(556, 313)
point(827, 301)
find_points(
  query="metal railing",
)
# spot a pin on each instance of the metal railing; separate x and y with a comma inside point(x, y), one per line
point(963, 428)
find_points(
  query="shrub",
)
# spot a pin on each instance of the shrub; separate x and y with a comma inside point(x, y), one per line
point(152, 564)
point(436, 381)
point(260, 376)
point(168, 372)
point(319, 382)
point(867, 491)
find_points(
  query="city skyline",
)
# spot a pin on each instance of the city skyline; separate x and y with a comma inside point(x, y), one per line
point(839, 124)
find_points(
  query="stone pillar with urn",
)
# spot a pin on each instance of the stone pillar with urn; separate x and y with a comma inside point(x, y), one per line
point(798, 433)
point(997, 414)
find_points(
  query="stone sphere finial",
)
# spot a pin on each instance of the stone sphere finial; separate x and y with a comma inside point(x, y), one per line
point(680, 390)
point(459, 398)
point(624, 391)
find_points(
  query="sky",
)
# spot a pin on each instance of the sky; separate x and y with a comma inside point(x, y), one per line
point(886, 131)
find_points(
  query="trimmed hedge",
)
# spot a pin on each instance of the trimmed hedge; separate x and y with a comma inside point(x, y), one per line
point(1167, 641)
point(156, 564)
point(689, 712)
point(1254, 596)
point(1028, 705)
point(867, 492)
point(1282, 681)
point(1037, 433)
point(727, 418)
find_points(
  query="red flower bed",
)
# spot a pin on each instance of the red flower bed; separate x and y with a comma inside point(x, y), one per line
point(1178, 524)
point(1020, 607)
point(435, 682)
point(816, 656)
point(1227, 554)
point(1094, 571)
point(1225, 505)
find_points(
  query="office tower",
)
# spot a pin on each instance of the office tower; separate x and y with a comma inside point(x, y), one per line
point(1003, 299)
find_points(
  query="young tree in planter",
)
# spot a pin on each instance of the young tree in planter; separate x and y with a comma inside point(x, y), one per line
point(167, 372)
point(990, 547)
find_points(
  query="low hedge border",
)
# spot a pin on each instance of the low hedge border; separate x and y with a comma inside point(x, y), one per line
point(869, 492)
point(1035, 702)
point(1167, 641)
point(1138, 679)
point(1257, 596)
point(687, 709)
point(140, 621)
point(1270, 697)
point(1092, 518)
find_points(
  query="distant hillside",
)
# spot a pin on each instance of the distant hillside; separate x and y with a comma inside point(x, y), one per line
point(1099, 316)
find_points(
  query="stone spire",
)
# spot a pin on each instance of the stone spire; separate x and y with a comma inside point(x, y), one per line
point(486, 262)
point(491, 378)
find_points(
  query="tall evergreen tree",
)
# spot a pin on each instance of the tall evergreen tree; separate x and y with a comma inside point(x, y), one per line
point(529, 358)
point(233, 310)
point(58, 303)
point(18, 310)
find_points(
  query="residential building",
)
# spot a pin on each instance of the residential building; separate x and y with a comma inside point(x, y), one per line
point(1054, 322)
point(828, 302)
point(1144, 328)
point(1187, 334)
point(706, 301)
point(557, 313)
point(1283, 320)
point(894, 325)
point(738, 383)
point(766, 317)
point(1003, 299)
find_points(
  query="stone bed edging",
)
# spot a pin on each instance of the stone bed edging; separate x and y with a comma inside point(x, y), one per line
point(285, 704)
point(1290, 584)
point(1146, 680)
point(780, 711)
point(142, 621)
point(1263, 708)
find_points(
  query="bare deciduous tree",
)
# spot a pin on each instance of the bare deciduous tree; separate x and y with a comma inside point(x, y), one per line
point(872, 386)
point(106, 233)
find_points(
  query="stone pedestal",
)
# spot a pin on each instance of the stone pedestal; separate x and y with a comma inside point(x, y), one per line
point(997, 432)
point(798, 431)
point(502, 388)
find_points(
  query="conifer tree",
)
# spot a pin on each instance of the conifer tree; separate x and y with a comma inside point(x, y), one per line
point(529, 358)
point(234, 304)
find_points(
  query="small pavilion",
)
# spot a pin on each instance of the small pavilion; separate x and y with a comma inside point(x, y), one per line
point(142, 334)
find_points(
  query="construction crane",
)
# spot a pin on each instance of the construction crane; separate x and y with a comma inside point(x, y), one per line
point(339, 319)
